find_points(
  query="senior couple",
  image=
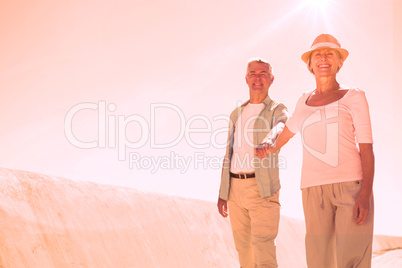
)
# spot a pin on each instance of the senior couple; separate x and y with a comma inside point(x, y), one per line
point(337, 171)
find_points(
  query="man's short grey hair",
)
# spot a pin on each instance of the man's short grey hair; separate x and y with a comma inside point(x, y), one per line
point(260, 60)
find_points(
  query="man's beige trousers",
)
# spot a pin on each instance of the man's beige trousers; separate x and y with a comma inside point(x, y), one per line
point(332, 237)
point(255, 223)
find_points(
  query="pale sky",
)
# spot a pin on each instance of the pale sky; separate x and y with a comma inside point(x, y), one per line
point(184, 62)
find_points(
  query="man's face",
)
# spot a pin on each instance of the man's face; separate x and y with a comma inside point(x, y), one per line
point(258, 78)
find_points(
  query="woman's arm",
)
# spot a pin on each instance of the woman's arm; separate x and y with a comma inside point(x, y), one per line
point(362, 206)
point(267, 146)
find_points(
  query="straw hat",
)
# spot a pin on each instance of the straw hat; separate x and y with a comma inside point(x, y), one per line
point(325, 41)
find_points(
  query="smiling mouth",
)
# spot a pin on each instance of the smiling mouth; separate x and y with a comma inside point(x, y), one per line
point(323, 66)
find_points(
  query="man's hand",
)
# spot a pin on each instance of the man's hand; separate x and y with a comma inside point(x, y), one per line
point(223, 207)
point(361, 208)
point(263, 149)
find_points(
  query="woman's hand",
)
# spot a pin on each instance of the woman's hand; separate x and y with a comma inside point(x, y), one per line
point(267, 146)
point(264, 149)
point(361, 208)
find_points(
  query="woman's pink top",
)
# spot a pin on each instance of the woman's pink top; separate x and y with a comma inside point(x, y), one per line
point(330, 134)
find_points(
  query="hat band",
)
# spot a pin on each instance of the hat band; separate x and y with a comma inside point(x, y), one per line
point(325, 44)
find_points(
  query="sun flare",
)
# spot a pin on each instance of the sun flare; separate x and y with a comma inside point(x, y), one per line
point(318, 3)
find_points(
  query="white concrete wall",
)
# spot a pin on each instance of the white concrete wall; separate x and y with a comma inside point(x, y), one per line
point(53, 222)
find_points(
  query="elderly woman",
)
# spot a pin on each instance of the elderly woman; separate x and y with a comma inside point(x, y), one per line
point(338, 162)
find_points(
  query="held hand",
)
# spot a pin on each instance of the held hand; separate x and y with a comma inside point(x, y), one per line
point(263, 149)
point(223, 207)
point(361, 208)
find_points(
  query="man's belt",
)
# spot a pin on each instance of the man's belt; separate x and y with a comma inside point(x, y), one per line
point(242, 175)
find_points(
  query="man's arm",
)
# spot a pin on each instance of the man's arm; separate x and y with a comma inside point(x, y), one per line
point(275, 139)
point(362, 205)
point(222, 204)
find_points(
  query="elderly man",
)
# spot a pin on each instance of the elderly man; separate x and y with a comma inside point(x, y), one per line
point(250, 185)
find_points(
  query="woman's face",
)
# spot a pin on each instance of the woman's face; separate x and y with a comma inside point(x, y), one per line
point(325, 62)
